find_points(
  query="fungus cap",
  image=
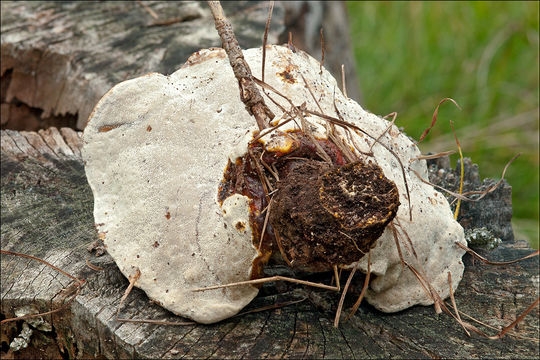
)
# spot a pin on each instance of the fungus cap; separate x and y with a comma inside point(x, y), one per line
point(155, 151)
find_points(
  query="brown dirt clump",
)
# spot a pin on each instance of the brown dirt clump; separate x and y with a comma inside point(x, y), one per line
point(330, 215)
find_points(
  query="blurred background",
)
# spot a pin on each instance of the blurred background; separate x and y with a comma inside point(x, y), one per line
point(484, 55)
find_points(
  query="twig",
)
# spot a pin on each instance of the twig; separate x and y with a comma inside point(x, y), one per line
point(249, 93)
point(132, 279)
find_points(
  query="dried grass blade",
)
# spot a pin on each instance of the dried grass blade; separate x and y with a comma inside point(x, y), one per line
point(7, 252)
point(517, 321)
point(78, 284)
point(92, 266)
point(269, 130)
point(433, 156)
point(394, 233)
point(156, 322)
point(64, 306)
point(486, 261)
point(493, 187)
point(454, 304)
point(398, 224)
point(497, 329)
point(266, 217)
point(394, 116)
point(280, 247)
point(265, 280)
point(364, 289)
point(265, 38)
point(456, 213)
point(434, 118)
point(346, 124)
point(270, 307)
point(342, 298)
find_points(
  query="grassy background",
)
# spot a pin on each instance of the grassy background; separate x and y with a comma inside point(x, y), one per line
point(410, 55)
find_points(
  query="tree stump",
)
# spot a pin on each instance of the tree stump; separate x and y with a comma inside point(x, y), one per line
point(57, 61)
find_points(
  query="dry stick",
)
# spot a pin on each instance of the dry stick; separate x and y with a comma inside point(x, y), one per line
point(364, 289)
point(434, 117)
point(79, 284)
point(132, 279)
point(454, 302)
point(268, 279)
point(486, 261)
point(265, 38)
point(342, 298)
point(249, 93)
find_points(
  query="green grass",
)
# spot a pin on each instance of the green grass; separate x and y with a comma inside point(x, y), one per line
point(485, 55)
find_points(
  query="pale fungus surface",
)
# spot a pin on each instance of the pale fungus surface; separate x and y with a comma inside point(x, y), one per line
point(155, 151)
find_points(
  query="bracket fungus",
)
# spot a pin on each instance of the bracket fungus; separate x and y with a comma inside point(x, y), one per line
point(189, 191)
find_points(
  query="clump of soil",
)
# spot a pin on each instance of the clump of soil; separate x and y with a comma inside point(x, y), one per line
point(324, 213)
point(332, 215)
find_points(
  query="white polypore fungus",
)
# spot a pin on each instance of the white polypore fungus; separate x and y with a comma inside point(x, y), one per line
point(155, 151)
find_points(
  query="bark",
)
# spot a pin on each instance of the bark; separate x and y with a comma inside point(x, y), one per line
point(59, 59)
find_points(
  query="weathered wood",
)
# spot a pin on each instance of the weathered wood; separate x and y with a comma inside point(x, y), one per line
point(57, 60)
point(47, 212)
